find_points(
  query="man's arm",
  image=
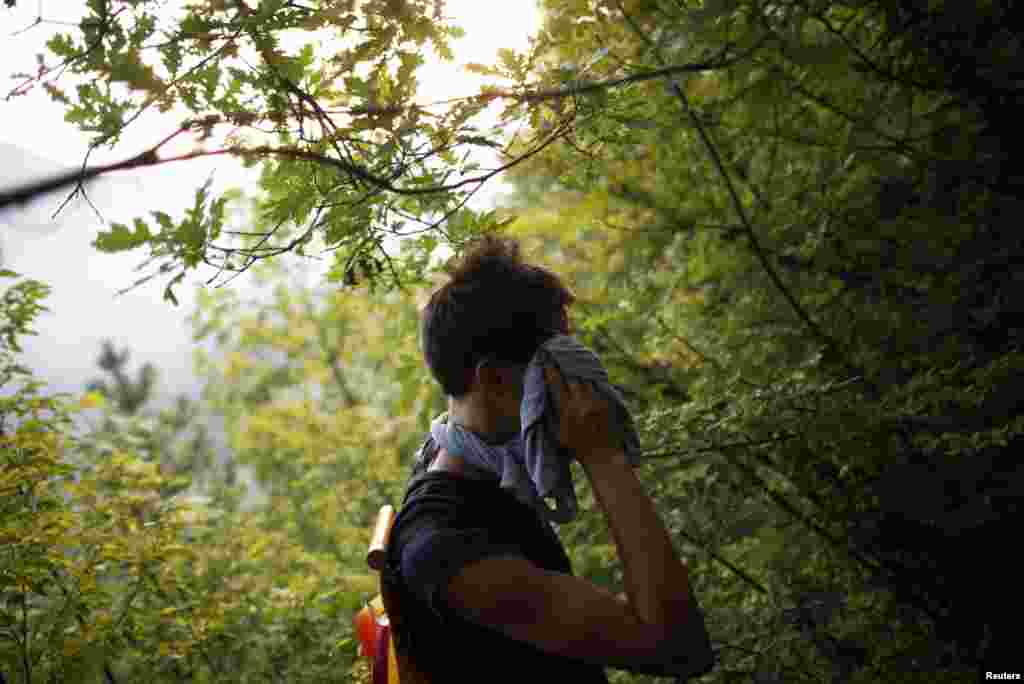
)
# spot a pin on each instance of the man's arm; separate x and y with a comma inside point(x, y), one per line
point(657, 581)
point(657, 630)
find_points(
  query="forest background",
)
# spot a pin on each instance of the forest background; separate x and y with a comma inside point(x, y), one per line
point(791, 228)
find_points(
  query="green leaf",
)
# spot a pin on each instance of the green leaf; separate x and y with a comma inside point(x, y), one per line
point(357, 86)
point(120, 238)
point(482, 69)
point(163, 220)
point(510, 61)
point(306, 56)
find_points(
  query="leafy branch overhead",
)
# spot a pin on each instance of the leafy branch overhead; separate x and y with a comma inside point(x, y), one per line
point(348, 154)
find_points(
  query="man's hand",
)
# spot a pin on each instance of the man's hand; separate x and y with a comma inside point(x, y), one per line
point(585, 423)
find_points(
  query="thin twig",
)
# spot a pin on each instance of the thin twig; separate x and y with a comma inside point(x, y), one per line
point(739, 572)
point(746, 444)
point(149, 157)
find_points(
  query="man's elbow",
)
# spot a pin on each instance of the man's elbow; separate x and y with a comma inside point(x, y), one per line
point(687, 647)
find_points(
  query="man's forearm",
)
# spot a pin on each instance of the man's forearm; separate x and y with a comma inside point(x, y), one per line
point(656, 580)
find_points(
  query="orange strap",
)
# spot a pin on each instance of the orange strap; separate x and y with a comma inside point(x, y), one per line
point(393, 677)
point(395, 667)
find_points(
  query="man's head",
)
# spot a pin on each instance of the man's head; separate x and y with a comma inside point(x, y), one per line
point(480, 329)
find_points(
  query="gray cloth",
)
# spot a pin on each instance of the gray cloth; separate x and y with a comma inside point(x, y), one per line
point(532, 466)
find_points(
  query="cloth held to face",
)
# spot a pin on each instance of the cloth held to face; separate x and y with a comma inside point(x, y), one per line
point(533, 466)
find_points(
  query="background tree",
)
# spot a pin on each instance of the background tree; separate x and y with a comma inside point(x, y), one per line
point(111, 570)
point(778, 224)
point(82, 540)
point(177, 438)
point(128, 395)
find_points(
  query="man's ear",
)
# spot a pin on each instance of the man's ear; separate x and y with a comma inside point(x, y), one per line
point(489, 375)
point(497, 378)
point(471, 378)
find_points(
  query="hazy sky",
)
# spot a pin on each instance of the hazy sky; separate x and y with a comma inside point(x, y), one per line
point(35, 141)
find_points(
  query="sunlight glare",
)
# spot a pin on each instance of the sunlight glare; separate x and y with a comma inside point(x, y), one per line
point(488, 26)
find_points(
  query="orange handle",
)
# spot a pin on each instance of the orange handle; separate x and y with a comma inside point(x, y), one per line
point(379, 539)
point(393, 677)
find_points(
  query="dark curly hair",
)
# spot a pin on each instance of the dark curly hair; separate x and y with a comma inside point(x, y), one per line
point(495, 306)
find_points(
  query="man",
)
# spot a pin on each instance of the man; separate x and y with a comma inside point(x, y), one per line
point(479, 585)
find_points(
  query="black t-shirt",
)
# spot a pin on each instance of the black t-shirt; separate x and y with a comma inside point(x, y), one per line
point(447, 522)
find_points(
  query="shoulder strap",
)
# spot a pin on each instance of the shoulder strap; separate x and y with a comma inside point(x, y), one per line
point(392, 592)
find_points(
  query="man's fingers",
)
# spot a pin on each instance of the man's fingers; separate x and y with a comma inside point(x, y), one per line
point(555, 378)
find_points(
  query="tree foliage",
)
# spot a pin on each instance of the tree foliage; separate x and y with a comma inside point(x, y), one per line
point(790, 227)
point(810, 240)
point(130, 552)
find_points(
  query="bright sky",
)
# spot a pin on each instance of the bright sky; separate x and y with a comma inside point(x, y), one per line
point(35, 140)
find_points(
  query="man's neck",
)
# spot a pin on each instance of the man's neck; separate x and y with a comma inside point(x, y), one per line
point(485, 425)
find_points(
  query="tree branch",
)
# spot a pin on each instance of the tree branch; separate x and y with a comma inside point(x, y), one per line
point(739, 572)
point(665, 71)
point(151, 157)
point(27, 192)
